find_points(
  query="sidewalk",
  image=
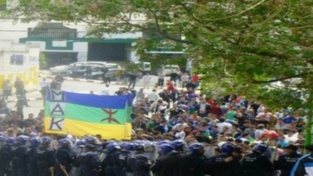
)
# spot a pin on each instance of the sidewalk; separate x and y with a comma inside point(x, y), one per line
point(31, 96)
point(77, 79)
point(138, 83)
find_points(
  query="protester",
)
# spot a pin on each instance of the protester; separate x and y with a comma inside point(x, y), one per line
point(108, 77)
point(184, 79)
point(106, 90)
point(7, 89)
point(161, 76)
point(174, 132)
point(132, 80)
point(153, 96)
point(44, 84)
point(146, 81)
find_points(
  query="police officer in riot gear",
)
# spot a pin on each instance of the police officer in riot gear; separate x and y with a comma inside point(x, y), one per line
point(226, 163)
point(286, 162)
point(89, 163)
point(127, 152)
point(45, 157)
point(113, 152)
point(159, 164)
point(63, 158)
point(256, 163)
point(78, 149)
point(19, 160)
point(197, 159)
point(139, 163)
point(2, 143)
point(102, 153)
point(6, 157)
point(178, 145)
point(32, 167)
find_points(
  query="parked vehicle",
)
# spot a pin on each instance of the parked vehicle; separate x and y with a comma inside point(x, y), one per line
point(65, 70)
point(97, 71)
point(168, 69)
point(145, 67)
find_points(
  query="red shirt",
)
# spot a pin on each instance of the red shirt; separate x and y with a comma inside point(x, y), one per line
point(211, 101)
point(216, 110)
point(195, 78)
point(170, 84)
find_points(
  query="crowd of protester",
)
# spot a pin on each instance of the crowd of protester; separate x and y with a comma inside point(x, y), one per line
point(175, 132)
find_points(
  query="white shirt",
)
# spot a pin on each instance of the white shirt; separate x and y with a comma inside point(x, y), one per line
point(161, 75)
point(146, 78)
point(153, 96)
point(180, 135)
point(44, 83)
point(106, 91)
point(185, 78)
point(292, 138)
point(202, 107)
point(221, 125)
point(258, 133)
point(161, 107)
point(180, 124)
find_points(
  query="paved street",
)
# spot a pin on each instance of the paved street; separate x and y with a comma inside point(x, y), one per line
point(75, 86)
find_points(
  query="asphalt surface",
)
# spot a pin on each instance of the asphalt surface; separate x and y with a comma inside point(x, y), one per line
point(83, 86)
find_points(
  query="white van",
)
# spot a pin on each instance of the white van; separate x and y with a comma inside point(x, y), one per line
point(168, 69)
point(144, 67)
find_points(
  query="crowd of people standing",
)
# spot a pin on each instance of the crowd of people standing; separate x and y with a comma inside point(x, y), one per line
point(176, 131)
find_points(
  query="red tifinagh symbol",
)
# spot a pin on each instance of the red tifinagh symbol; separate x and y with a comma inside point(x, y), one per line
point(110, 118)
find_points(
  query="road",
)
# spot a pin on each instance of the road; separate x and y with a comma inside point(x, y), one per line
point(73, 86)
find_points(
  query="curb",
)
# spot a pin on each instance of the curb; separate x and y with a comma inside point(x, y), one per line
point(88, 80)
point(28, 99)
point(80, 80)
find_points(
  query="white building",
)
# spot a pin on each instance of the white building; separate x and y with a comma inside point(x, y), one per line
point(19, 60)
point(65, 43)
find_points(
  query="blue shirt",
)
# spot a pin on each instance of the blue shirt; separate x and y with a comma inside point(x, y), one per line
point(289, 120)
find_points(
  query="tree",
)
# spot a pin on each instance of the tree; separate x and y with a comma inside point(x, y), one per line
point(242, 45)
point(42, 61)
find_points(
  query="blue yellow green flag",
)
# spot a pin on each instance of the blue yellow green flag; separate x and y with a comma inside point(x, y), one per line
point(88, 114)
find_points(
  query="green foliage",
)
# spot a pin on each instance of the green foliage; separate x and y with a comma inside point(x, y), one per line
point(239, 45)
point(42, 61)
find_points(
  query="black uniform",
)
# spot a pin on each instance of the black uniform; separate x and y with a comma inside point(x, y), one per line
point(286, 162)
point(102, 158)
point(45, 160)
point(173, 163)
point(157, 166)
point(32, 167)
point(19, 161)
point(63, 157)
point(109, 164)
point(5, 160)
point(256, 164)
point(140, 165)
point(198, 164)
point(123, 160)
point(218, 167)
point(89, 164)
point(117, 164)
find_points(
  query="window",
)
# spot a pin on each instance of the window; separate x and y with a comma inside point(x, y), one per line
point(17, 59)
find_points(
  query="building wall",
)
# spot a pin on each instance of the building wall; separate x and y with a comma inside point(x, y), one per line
point(11, 67)
point(13, 31)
